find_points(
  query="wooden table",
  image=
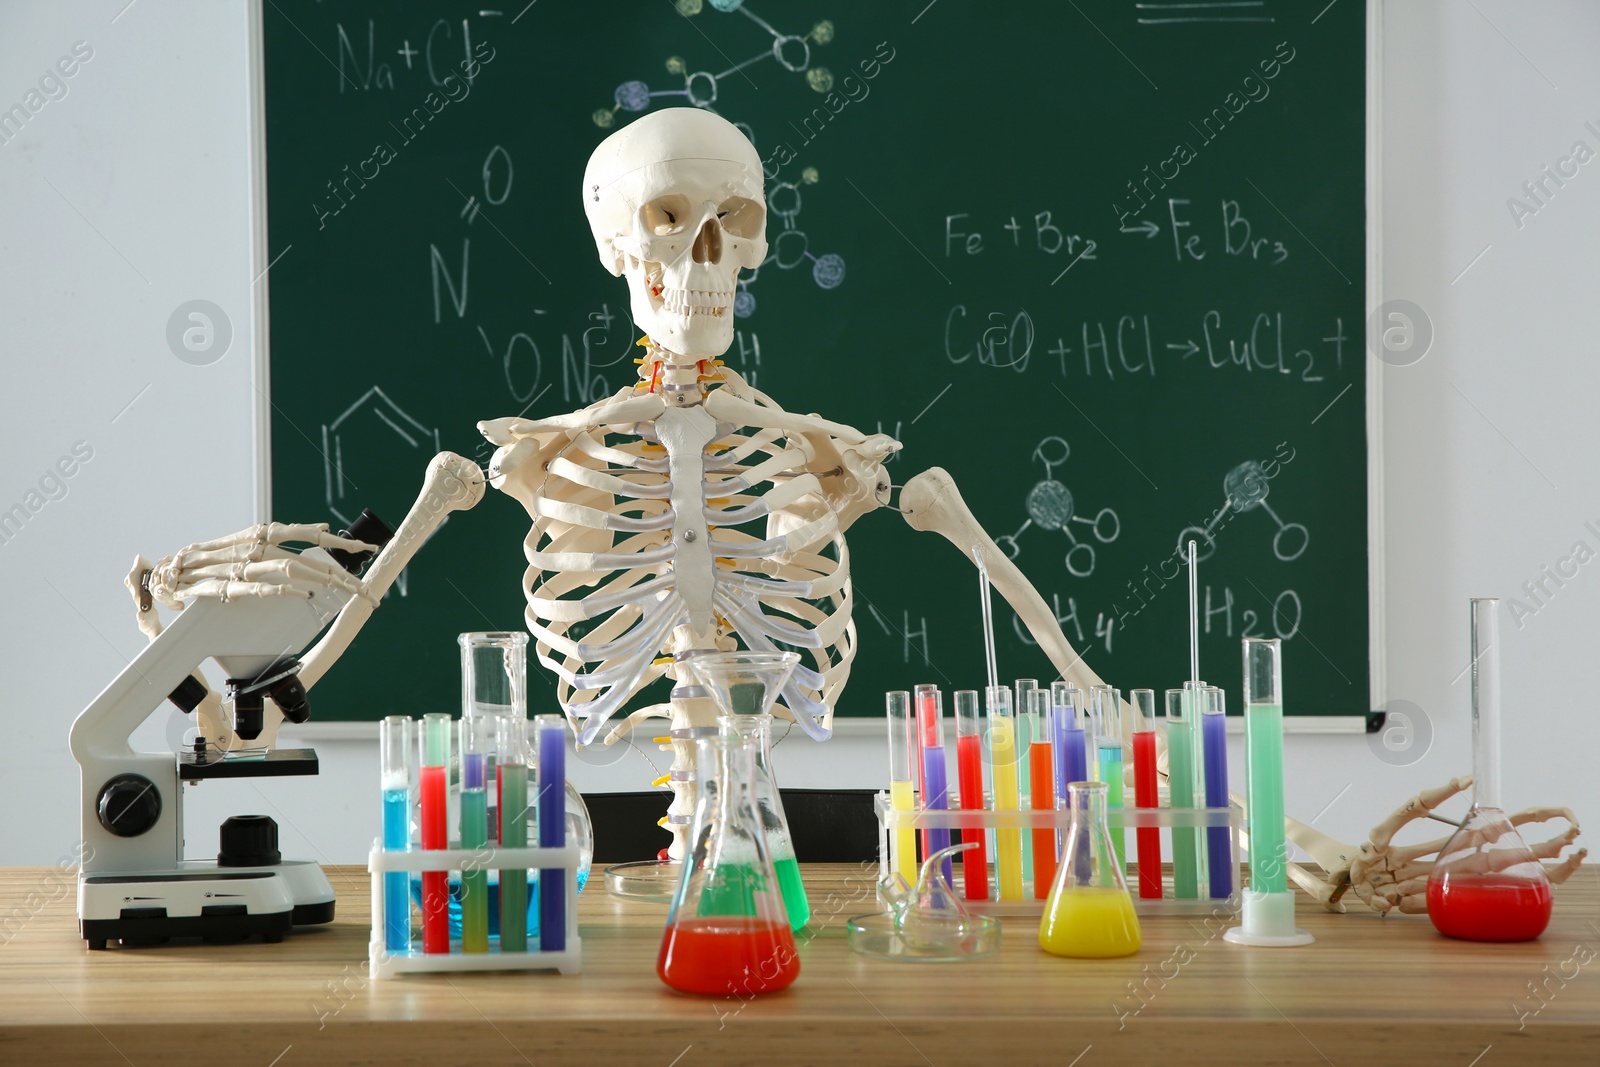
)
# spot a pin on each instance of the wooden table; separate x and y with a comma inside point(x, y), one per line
point(1370, 991)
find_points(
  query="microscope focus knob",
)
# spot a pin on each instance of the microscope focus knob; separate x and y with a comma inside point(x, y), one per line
point(129, 805)
point(249, 841)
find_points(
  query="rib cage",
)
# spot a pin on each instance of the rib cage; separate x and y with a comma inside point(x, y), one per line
point(602, 579)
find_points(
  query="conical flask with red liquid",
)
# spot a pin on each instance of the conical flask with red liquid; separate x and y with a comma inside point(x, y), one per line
point(728, 933)
point(1487, 885)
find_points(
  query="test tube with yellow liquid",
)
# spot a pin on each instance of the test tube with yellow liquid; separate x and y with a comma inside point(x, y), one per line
point(1007, 797)
point(902, 789)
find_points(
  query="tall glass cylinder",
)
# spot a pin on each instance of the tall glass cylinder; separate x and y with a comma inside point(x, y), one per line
point(769, 807)
point(494, 671)
point(1486, 884)
point(397, 754)
point(1263, 742)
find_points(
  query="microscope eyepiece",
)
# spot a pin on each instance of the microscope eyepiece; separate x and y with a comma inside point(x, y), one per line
point(369, 528)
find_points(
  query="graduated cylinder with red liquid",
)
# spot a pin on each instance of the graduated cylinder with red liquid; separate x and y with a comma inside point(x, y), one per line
point(1487, 885)
point(728, 932)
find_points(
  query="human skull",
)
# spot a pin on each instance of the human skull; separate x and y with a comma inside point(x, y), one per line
point(675, 203)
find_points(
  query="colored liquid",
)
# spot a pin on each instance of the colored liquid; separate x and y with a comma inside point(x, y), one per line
point(1146, 795)
point(528, 896)
point(974, 861)
point(1044, 841)
point(1219, 854)
point(512, 907)
point(902, 796)
point(793, 889)
point(396, 900)
point(1111, 774)
point(474, 883)
point(1025, 732)
point(1489, 908)
point(1090, 923)
point(1180, 787)
point(1263, 742)
point(727, 956)
point(1076, 756)
point(1008, 843)
point(552, 811)
point(435, 884)
point(936, 797)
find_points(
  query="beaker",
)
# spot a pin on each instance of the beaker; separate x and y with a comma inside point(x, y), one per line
point(744, 685)
point(1486, 884)
point(1089, 914)
point(727, 932)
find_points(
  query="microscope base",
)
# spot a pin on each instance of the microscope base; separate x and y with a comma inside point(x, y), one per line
point(200, 899)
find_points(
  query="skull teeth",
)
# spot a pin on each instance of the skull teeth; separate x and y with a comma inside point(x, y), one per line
point(696, 301)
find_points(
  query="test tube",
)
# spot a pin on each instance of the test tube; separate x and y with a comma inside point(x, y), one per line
point(936, 787)
point(1003, 753)
point(477, 742)
point(552, 812)
point(512, 761)
point(1263, 738)
point(1214, 740)
point(435, 831)
point(397, 748)
point(1180, 794)
point(1027, 734)
point(1072, 757)
point(902, 791)
point(1146, 793)
point(969, 772)
point(1105, 705)
point(1042, 796)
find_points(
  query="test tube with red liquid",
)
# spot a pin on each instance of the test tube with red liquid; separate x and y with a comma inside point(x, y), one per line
point(1041, 795)
point(1145, 791)
point(969, 772)
point(435, 831)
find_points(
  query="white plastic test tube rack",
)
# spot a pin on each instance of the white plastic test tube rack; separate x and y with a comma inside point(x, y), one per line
point(383, 963)
point(890, 820)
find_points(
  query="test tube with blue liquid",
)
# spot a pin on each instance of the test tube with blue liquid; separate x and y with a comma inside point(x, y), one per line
point(397, 747)
point(935, 778)
point(551, 738)
point(1214, 742)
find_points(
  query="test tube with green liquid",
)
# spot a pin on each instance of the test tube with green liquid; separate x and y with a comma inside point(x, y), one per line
point(1263, 743)
point(1105, 709)
point(477, 744)
point(1180, 794)
point(512, 760)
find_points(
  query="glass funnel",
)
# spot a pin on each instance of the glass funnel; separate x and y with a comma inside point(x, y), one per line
point(1486, 884)
point(727, 932)
point(744, 685)
point(1089, 914)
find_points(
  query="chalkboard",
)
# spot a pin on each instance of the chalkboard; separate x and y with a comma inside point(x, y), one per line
point(1104, 262)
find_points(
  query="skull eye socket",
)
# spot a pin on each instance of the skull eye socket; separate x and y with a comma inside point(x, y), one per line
point(742, 217)
point(666, 215)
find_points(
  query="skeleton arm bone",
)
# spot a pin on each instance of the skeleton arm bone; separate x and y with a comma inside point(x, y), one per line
point(931, 501)
point(452, 483)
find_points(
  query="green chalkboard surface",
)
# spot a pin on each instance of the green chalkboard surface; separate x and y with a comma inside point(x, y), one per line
point(1103, 261)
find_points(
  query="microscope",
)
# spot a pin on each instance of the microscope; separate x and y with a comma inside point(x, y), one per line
point(135, 885)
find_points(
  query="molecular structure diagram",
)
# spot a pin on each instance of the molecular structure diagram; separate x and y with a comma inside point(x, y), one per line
point(789, 249)
point(1245, 489)
point(1050, 507)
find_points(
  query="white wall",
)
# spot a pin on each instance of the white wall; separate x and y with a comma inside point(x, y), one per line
point(1487, 465)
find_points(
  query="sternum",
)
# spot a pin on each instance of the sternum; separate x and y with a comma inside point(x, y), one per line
point(685, 432)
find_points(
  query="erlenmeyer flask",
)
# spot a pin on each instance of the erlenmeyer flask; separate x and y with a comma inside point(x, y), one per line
point(744, 685)
point(727, 931)
point(1486, 884)
point(1089, 914)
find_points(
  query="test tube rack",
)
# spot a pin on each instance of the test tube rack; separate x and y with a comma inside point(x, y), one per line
point(967, 820)
point(382, 963)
